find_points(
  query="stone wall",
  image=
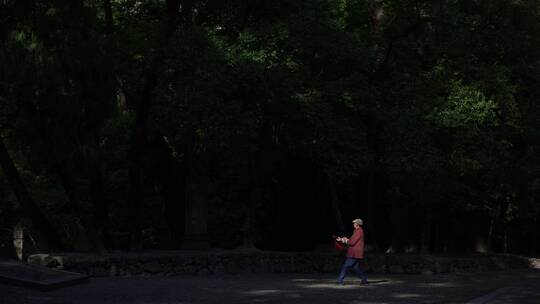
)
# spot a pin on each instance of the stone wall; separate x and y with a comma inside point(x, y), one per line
point(193, 262)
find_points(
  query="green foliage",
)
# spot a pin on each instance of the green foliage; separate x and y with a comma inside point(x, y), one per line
point(438, 97)
point(467, 107)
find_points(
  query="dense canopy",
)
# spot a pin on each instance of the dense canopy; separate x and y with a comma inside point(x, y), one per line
point(173, 124)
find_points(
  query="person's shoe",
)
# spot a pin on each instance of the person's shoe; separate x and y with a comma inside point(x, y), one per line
point(339, 283)
point(364, 282)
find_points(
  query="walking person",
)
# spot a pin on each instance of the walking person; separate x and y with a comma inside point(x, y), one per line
point(355, 253)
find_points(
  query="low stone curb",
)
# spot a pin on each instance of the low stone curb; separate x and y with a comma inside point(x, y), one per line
point(238, 261)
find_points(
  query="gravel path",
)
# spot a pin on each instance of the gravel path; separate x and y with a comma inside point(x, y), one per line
point(520, 287)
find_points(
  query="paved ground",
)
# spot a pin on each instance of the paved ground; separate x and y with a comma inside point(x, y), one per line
point(510, 287)
point(526, 291)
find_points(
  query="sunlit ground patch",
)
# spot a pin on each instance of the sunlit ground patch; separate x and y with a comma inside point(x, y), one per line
point(333, 285)
point(263, 292)
point(406, 295)
point(351, 284)
point(438, 285)
point(304, 280)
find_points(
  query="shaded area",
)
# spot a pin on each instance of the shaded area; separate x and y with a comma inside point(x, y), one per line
point(35, 277)
point(284, 288)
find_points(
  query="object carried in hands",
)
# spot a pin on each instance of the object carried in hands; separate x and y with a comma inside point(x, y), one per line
point(338, 245)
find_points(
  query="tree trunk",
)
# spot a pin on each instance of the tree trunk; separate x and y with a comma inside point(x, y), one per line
point(173, 7)
point(373, 141)
point(101, 207)
point(370, 223)
point(426, 234)
point(399, 224)
point(196, 196)
point(187, 12)
point(82, 211)
point(534, 234)
point(505, 244)
point(259, 158)
point(494, 218)
point(135, 156)
point(196, 231)
point(422, 198)
point(95, 219)
point(249, 227)
point(173, 180)
point(41, 227)
point(107, 8)
point(531, 199)
point(490, 233)
point(376, 13)
point(135, 201)
point(88, 232)
point(334, 201)
point(97, 191)
point(139, 136)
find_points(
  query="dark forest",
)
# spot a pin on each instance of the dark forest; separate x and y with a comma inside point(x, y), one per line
point(270, 124)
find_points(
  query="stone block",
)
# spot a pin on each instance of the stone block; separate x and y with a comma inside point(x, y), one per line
point(38, 277)
point(395, 269)
point(152, 267)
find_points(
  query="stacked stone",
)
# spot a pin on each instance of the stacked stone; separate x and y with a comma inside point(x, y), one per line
point(208, 262)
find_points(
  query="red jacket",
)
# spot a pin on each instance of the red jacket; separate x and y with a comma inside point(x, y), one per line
point(356, 244)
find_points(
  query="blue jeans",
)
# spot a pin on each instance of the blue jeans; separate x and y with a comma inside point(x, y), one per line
point(355, 265)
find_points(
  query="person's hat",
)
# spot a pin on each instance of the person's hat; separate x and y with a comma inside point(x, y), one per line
point(358, 221)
